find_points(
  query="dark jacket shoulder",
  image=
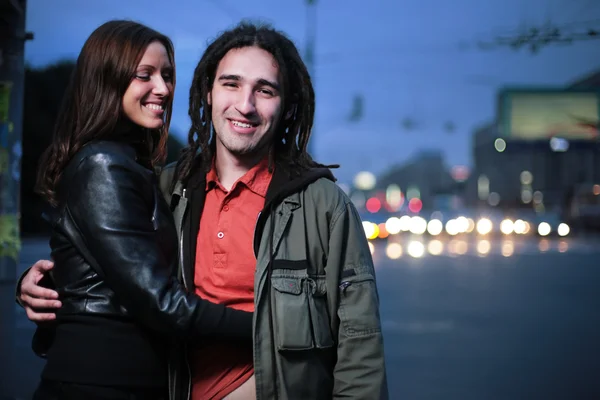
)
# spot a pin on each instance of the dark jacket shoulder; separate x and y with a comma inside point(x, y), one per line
point(100, 164)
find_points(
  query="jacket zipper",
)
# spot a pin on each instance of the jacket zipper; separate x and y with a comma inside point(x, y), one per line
point(186, 286)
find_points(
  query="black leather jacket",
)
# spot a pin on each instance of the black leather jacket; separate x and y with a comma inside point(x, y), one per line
point(115, 249)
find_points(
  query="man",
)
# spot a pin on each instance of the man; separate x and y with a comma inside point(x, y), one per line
point(264, 228)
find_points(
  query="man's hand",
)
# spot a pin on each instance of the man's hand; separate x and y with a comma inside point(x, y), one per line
point(37, 300)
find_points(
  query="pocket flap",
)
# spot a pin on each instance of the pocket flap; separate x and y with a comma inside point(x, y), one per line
point(287, 285)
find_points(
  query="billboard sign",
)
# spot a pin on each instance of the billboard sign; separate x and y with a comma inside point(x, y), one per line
point(541, 114)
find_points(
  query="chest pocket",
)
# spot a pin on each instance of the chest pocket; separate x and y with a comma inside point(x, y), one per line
point(301, 318)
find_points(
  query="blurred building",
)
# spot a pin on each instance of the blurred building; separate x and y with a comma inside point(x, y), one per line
point(514, 173)
point(426, 174)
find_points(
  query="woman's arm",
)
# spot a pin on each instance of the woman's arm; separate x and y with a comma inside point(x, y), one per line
point(111, 203)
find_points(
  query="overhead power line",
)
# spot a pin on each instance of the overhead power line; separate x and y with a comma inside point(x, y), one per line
point(536, 37)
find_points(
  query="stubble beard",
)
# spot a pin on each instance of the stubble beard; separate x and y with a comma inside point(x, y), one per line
point(249, 150)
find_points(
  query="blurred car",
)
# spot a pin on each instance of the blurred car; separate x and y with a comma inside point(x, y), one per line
point(582, 210)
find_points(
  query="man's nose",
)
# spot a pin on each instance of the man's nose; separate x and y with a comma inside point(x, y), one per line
point(246, 102)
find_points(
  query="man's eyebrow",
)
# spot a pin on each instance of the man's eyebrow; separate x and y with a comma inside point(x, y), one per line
point(226, 77)
point(266, 82)
point(262, 81)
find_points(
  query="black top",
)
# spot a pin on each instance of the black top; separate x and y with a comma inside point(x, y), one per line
point(105, 351)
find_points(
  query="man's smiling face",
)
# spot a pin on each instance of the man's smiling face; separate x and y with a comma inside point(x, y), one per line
point(246, 101)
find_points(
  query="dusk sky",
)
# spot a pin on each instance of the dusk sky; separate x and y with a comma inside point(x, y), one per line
point(412, 59)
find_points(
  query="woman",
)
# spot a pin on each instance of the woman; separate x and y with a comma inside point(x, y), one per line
point(114, 241)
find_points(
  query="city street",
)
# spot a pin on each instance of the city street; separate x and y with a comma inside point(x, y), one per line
point(481, 320)
point(465, 136)
point(524, 326)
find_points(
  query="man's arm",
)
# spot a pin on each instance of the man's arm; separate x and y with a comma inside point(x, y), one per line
point(34, 292)
point(360, 369)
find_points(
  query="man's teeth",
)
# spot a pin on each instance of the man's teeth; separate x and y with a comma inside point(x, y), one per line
point(241, 124)
point(156, 107)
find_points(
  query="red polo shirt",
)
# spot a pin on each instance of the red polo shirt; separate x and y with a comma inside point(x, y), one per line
point(224, 273)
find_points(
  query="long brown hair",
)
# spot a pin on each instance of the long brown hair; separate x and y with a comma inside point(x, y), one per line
point(91, 109)
point(289, 149)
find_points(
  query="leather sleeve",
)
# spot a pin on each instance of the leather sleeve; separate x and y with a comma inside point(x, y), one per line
point(18, 287)
point(111, 202)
